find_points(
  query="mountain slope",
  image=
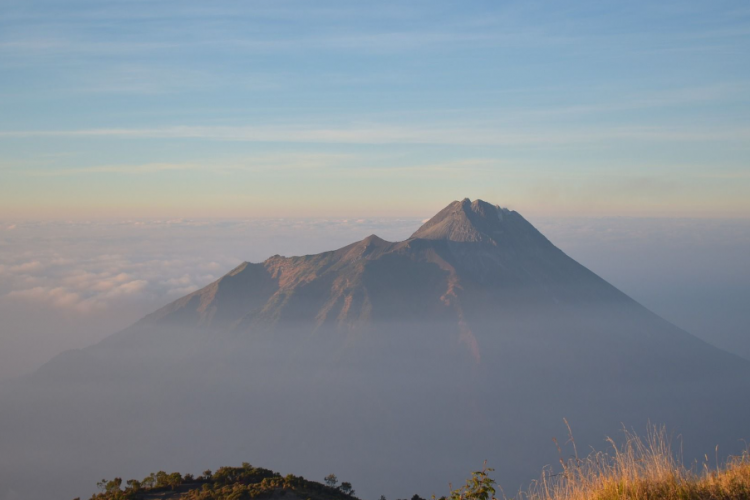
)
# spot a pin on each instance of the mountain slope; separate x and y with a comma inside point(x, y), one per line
point(467, 248)
point(472, 339)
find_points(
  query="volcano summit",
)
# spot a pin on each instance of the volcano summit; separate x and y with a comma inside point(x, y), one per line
point(398, 365)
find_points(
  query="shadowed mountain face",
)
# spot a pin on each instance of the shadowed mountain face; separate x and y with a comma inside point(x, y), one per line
point(399, 366)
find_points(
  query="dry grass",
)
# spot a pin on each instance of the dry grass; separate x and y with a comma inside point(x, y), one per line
point(642, 469)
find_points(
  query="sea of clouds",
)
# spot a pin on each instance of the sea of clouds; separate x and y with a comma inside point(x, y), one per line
point(67, 285)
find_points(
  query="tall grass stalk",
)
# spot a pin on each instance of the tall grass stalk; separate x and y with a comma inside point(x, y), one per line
point(642, 469)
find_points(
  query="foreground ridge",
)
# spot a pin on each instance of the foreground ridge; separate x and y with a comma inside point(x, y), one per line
point(639, 468)
point(227, 483)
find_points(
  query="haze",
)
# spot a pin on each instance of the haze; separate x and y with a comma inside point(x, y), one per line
point(67, 285)
point(474, 335)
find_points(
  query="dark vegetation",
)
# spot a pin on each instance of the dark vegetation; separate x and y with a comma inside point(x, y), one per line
point(640, 469)
point(227, 483)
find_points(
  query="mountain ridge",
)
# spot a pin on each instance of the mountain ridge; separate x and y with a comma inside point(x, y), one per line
point(465, 242)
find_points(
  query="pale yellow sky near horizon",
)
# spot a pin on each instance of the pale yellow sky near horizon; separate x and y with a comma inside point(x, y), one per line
point(326, 192)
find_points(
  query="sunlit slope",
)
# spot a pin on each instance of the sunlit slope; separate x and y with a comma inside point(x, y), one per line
point(469, 252)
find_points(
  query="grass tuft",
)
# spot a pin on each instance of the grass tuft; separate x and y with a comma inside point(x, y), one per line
point(642, 469)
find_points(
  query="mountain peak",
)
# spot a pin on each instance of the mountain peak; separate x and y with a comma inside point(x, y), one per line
point(465, 221)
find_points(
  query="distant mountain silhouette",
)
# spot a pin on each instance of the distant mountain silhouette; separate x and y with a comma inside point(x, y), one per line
point(468, 254)
point(399, 365)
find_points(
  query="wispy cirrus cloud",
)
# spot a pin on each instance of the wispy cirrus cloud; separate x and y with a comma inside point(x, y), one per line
point(269, 162)
point(384, 40)
point(145, 168)
point(388, 134)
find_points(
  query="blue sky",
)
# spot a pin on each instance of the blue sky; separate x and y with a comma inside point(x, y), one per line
point(182, 108)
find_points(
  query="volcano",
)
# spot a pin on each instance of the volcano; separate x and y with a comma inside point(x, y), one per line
point(397, 365)
point(470, 262)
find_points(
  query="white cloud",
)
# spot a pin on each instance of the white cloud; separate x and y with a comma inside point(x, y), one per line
point(89, 268)
point(399, 134)
point(184, 280)
point(129, 288)
point(27, 267)
point(145, 168)
point(58, 297)
point(270, 162)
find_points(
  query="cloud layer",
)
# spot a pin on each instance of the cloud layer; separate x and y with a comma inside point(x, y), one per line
point(68, 285)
